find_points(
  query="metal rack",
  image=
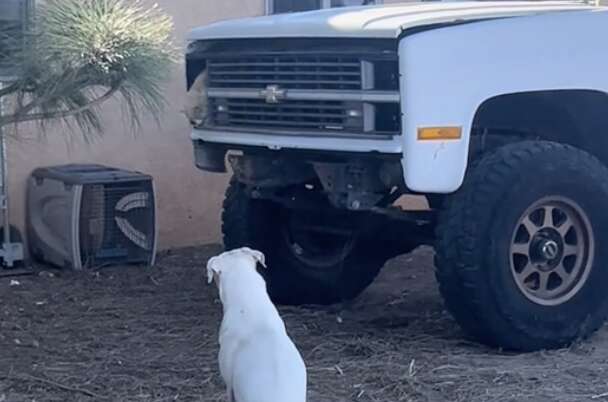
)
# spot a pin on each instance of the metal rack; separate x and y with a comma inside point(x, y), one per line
point(15, 14)
point(10, 252)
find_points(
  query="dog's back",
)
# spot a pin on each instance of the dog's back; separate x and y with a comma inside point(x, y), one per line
point(257, 356)
point(269, 368)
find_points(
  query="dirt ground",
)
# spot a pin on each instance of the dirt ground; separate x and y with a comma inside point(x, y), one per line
point(140, 334)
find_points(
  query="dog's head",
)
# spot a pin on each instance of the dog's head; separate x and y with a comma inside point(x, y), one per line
point(231, 260)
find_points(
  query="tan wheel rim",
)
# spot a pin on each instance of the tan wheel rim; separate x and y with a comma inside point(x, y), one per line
point(552, 251)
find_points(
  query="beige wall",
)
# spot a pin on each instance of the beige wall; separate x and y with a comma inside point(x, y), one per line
point(188, 199)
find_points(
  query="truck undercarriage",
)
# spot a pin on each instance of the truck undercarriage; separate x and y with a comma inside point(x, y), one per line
point(325, 136)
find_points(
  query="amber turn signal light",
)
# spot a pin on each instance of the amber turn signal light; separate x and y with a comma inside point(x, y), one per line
point(440, 133)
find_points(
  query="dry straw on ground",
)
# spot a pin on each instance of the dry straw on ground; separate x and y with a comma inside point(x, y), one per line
point(134, 334)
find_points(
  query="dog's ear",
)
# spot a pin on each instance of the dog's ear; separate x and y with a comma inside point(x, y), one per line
point(213, 269)
point(258, 256)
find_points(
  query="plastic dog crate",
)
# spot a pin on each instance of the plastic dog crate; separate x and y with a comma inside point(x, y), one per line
point(89, 216)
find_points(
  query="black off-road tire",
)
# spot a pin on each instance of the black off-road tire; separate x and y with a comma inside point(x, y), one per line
point(476, 228)
point(257, 224)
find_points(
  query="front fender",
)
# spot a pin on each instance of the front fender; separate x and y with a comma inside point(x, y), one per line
point(447, 73)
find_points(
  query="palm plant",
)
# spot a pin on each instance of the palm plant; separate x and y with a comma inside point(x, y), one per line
point(79, 54)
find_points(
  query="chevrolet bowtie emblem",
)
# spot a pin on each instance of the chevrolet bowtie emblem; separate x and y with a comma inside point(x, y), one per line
point(273, 94)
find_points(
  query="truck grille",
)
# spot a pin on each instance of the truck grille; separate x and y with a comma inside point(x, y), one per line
point(300, 115)
point(322, 86)
point(290, 71)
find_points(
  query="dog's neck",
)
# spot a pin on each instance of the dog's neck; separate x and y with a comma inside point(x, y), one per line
point(233, 284)
point(245, 299)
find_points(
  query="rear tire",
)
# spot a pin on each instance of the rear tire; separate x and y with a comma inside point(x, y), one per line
point(299, 273)
point(522, 247)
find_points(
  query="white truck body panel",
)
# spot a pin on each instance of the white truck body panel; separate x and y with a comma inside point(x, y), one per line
point(448, 73)
point(387, 21)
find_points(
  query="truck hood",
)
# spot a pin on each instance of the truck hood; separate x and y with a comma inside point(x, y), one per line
point(376, 21)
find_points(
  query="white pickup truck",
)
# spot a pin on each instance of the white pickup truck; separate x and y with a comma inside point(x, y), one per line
point(496, 112)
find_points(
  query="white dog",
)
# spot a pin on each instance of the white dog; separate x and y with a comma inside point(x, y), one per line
point(258, 360)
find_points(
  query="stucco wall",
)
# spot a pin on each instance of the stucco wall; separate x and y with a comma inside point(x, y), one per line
point(188, 199)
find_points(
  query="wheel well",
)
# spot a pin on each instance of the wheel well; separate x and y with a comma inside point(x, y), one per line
point(575, 117)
